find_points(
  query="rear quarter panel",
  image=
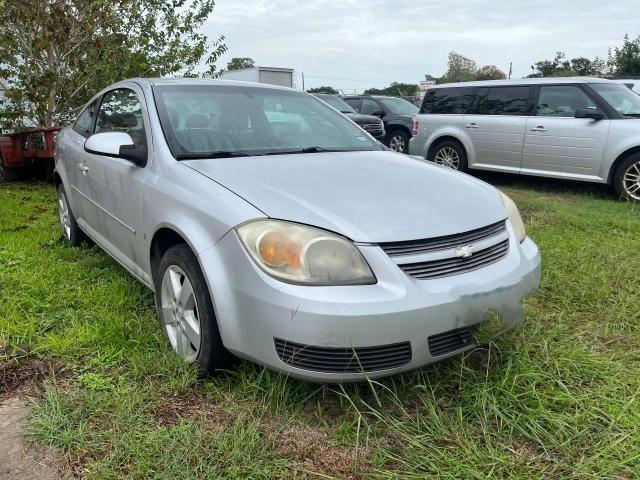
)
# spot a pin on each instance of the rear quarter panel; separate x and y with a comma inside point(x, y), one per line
point(432, 128)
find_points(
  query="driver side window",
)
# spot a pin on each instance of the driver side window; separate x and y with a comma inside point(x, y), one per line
point(562, 101)
point(120, 111)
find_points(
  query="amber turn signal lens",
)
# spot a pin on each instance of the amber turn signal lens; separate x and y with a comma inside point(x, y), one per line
point(277, 250)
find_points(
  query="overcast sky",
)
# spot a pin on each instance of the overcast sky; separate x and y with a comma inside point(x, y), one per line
point(353, 45)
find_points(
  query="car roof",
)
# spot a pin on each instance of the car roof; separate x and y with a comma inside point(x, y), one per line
point(526, 81)
point(204, 81)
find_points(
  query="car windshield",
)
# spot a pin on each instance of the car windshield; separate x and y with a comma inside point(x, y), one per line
point(205, 121)
point(399, 106)
point(337, 103)
point(620, 97)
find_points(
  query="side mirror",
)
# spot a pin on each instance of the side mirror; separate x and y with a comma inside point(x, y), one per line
point(378, 113)
point(592, 113)
point(116, 145)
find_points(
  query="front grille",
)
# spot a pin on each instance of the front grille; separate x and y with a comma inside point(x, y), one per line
point(343, 360)
point(414, 247)
point(373, 128)
point(450, 341)
point(454, 266)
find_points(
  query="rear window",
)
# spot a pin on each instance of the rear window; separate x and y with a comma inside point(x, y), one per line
point(448, 101)
point(503, 101)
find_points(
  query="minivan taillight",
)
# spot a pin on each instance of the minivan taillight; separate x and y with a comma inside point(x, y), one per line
point(416, 127)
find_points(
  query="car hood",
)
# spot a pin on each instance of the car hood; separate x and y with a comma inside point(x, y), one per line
point(367, 196)
point(359, 118)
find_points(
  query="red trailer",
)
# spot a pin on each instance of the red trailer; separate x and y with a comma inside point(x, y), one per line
point(29, 148)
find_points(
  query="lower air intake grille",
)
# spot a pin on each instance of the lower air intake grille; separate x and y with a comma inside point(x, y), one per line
point(456, 265)
point(450, 341)
point(343, 360)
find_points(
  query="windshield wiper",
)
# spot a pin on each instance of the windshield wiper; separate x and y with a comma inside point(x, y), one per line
point(206, 155)
point(305, 150)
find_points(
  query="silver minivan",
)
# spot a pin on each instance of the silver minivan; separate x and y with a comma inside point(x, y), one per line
point(584, 129)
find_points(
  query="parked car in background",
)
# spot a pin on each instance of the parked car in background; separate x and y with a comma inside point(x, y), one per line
point(396, 113)
point(585, 129)
point(373, 125)
point(318, 265)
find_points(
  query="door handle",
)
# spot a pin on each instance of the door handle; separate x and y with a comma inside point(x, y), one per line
point(539, 128)
point(471, 125)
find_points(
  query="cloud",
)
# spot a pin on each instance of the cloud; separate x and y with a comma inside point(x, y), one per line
point(359, 44)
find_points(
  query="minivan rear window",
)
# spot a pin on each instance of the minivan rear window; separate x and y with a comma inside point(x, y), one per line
point(503, 101)
point(448, 100)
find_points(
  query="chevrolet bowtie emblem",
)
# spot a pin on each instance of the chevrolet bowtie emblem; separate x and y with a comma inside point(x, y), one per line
point(464, 252)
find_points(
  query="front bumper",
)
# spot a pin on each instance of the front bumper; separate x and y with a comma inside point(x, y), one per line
point(253, 309)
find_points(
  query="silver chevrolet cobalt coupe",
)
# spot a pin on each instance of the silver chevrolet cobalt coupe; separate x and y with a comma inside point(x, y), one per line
point(271, 227)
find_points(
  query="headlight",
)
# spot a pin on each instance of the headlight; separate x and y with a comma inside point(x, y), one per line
point(304, 255)
point(514, 216)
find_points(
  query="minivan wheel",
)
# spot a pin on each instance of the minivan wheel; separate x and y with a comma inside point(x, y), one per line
point(70, 229)
point(627, 179)
point(399, 141)
point(449, 154)
point(186, 311)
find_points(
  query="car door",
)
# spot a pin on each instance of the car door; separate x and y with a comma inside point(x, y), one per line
point(115, 185)
point(557, 143)
point(73, 157)
point(496, 127)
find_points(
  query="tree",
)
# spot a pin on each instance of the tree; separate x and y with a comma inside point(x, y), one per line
point(489, 72)
point(329, 90)
point(238, 63)
point(396, 89)
point(459, 69)
point(55, 54)
point(625, 61)
point(560, 66)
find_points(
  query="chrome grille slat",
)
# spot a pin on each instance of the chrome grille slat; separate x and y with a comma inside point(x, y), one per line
point(443, 268)
point(413, 247)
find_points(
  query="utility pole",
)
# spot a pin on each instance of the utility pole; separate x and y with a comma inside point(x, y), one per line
point(303, 82)
point(510, 69)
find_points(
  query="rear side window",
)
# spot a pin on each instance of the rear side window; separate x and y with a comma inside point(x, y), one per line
point(503, 101)
point(448, 101)
point(355, 103)
point(84, 123)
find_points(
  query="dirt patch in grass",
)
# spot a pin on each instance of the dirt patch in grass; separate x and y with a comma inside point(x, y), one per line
point(20, 375)
point(195, 408)
point(315, 450)
point(310, 446)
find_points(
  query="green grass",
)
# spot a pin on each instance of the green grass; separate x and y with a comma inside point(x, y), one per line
point(558, 397)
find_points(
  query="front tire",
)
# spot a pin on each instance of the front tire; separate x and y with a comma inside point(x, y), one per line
point(627, 179)
point(449, 154)
point(70, 229)
point(186, 312)
point(6, 174)
point(398, 141)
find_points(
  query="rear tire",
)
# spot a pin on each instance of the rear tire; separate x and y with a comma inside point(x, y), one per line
point(6, 174)
point(70, 229)
point(449, 153)
point(626, 180)
point(398, 141)
point(186, 312)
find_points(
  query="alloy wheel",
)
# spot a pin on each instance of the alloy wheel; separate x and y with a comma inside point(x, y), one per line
point(397, 143)
point(63, 215)
point(631, 181)
point(180, 313)
point(448, 157)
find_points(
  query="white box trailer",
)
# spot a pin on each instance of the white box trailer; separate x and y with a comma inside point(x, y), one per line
point(282, 77)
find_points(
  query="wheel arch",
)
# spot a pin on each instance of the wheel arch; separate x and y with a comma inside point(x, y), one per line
point(162, 240)
point(621, 158)
point(444, 138)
